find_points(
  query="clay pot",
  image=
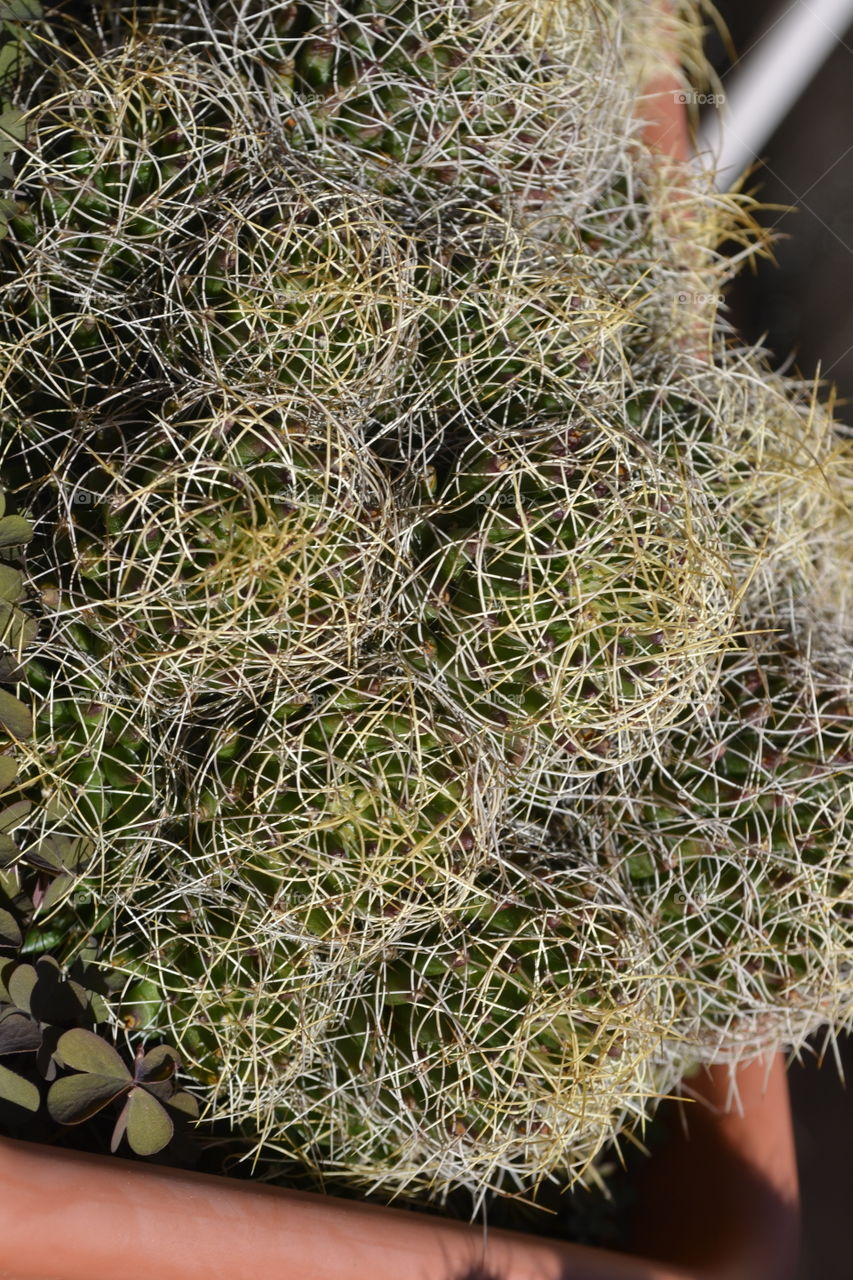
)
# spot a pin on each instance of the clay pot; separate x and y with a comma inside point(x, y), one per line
point(717, 1203)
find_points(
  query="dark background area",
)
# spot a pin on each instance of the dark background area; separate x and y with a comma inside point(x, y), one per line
point(802, 306)
point(803, 302)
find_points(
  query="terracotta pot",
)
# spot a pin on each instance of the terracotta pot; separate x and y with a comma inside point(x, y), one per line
point(718, 1204)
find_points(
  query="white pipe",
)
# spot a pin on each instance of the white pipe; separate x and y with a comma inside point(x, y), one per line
point(769, 82)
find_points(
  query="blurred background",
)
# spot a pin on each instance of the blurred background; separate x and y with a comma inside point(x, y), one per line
point(804, 303)
point(802, 306)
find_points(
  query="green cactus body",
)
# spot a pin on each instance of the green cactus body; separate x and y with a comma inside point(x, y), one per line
point(357, 812)
point(569, 596)
point(118, 156)
point(418, 1084)
point(379, 512)
point(739, 852)
point(224, 545)
point(297, 279)
point(159, 232)
point(500, 1039)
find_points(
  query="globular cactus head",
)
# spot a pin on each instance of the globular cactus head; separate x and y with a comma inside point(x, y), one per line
point(220, 543)
point(737, 851)
point(159, 232)
point(485, 1046)
point(348, 810)
point(569, 592)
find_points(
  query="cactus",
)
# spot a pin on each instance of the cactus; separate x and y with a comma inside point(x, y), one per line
point(570, 594)
point(83, 783)
point(326, 823)
point(419, 1087)
point(115, 158)
point(379, 516)
point(229, 541)
point(737, 852)
point(18, 20)
point(508, 1037)
point(365, 802)
point(158, 234)
point(774, 466)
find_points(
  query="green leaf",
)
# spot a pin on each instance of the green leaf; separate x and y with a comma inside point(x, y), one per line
point(13, 815)
point(20, 10)
point(17, 629)
point(59, 888)
point(58, 853)
point(149, 1126)
point(99, 1007)
point(18, 1034)
point(11, 670)
point(9, 57)
point(74, 1099)
point(11, 583)
point(159, 1063)
point(20, 985)
point(84, 1051)
point(14, 716)
point(14, 530)
point(14, 1088)
point(13, 132)
point(186, 1102)
point(8, 771)
point(10, 933)
point(45, 856)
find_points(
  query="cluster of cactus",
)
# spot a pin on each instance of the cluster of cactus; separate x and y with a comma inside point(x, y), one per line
point(228, 540)
point(412, 715)
point(736, 851)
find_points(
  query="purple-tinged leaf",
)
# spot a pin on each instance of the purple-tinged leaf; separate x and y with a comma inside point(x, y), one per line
point(13, 814)
point(186, 1102)
point(45, 856)
point(18, 1034)
point(159, 1063)
point(84, 1051)
point(11, 583)
point(149, 1127)
point(9, 851)
point(74, 1099)
point(8, 771)
point(10, 933)
point(14, 531)
point(15, 717)
point(14, 1088)
point(20, 983)
point(59, 888)
point(120, 1125)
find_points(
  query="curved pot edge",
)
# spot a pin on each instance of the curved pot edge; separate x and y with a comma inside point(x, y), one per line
point(72, 1216)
